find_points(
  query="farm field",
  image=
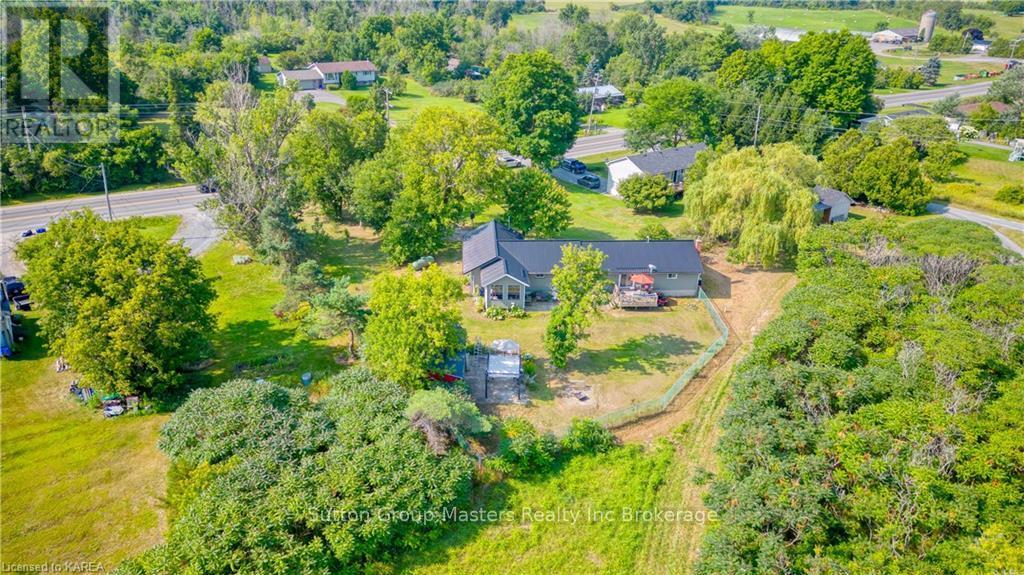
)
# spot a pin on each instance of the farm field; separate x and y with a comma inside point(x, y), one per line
point(807, 19)
point(1005, 26)
point(73, 486)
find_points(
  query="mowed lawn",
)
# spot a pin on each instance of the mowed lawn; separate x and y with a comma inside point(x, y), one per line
point(73, 485)
point(415, 98)
point(583, 517)
point(629, 356)
point(986, 171)
point(948, 71)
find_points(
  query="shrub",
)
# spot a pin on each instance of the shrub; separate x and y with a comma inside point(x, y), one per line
point(524, 451)
point(1011, 194)
point(587, 436)
point(646, 193)
point(347, 80)
point(653, 231)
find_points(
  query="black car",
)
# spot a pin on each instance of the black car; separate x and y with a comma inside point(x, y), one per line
point(573, 165)
point(208, 188)
point(13, 286)
point(590, 181)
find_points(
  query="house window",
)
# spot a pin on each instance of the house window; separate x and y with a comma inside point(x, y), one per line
point(538, 275)
point(673, 276)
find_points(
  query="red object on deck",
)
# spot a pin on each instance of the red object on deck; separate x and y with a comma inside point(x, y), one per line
point(642, 279)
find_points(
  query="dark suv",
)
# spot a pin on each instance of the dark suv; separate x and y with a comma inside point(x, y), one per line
point(573, 165)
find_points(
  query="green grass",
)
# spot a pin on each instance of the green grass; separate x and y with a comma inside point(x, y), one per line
point(597, 216)
point(615, 117)
point(1005, 26)
point(73, 485)
point(250, 340)
point(416, 98)
point(625, 478)
point(948, 71)
point(807, 19)
point(628, 356)
point(986, 171)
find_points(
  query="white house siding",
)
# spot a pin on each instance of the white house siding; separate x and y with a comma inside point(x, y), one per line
point(620, 170)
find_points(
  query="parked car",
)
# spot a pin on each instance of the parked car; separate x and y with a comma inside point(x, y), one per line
point(27, 233)
point(573, 165)
point(209, 187)
point(590, 181)
point(13, 286)
point(40, 231)
point(509, 162)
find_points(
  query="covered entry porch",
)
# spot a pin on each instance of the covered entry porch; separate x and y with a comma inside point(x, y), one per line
point(505, 292)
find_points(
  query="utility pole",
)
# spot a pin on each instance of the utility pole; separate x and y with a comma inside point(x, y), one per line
point(595, 78)
point(24, 129)
point(387, 106)
point(757, 123)
point(106, 192)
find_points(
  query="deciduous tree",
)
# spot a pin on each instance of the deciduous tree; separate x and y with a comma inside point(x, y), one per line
point(533, 99)
point(891, 177)
point(646, 192)
point(534, 203)
point(580, 283)
point(128, 312)
point(414, 325)
point(674, 112)
point(760, 200)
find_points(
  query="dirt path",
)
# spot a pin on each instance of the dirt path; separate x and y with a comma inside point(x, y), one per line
point(747, 300)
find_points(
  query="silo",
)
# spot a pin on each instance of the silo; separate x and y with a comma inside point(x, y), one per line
point(927, 27)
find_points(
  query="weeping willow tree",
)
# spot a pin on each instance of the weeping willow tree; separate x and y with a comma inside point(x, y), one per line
point(761, 201)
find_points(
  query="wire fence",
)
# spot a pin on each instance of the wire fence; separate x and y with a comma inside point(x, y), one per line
point(657, 405)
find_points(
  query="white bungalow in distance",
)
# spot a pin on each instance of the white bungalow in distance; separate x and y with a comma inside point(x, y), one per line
point(671, 163)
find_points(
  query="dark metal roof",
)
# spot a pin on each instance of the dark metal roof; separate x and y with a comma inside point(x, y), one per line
point(480, 246)
point(499, 251)
point(667, 256)
point(831, 197)
point(670, 160)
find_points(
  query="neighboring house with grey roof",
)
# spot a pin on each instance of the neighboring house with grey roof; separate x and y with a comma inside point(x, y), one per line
point(833, 205)
point(671, 163)
point(507, 269)
point(303, 79)
point(603, 96)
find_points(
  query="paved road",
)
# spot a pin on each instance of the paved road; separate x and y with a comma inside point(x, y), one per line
point(922, 96)
point(983, 219)
point(612, 140)
point(196, 230)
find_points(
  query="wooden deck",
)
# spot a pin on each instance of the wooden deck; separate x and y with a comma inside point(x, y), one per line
point(625, 297)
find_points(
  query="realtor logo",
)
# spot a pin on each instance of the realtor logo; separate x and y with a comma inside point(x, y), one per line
point(59, 85)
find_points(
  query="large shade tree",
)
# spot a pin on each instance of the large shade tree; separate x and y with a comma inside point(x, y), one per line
point(534, 203)
point(533, 99)
point(126, 311)
point(760, 200)
point(674, 112)
point(414, 325)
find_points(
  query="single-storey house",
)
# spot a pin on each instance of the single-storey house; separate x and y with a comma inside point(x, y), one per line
point(304, 79)
point(364, 71)
point(671, 163)
point(603, 96)
point(833, 205)
point(505, 268)
point(896, 36)
point(263, 65)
